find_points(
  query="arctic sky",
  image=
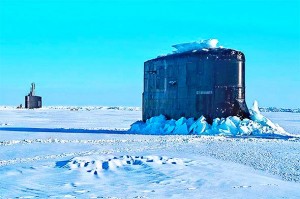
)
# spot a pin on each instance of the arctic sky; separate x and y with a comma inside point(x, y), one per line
point(92, 52)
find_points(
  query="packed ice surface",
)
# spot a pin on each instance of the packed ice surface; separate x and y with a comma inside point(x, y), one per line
point(258, 125)
point(196, 45)
point(76, 164)
point(70, 117)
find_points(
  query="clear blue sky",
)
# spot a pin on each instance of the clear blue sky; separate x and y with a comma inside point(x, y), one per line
point(92, 52)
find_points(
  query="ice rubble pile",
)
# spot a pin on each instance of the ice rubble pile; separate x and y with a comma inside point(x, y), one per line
point(258, 125)
point(196, 45)
point(97, 165)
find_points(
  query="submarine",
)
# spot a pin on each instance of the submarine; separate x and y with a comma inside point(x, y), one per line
point(31, 100)
point(197, 79)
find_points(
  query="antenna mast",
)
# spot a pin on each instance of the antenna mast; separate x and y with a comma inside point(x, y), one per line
point(32, 90)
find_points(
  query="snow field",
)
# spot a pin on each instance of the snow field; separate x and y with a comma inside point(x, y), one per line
point(63, 117)
point(55, 164)
point(277, 156)
point(127, 176)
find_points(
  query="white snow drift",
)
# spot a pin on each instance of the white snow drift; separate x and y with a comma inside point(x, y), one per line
point(258, 125)
point(196, 45)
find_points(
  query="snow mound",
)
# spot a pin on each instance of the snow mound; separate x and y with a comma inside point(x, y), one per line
point(100, 164)
point(196, 45)
point(258, 125)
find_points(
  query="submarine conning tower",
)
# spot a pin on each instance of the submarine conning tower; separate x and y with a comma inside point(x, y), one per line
point(31, 100)
point(207, 81)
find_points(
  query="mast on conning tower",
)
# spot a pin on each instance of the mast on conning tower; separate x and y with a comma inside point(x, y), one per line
point(32, 90)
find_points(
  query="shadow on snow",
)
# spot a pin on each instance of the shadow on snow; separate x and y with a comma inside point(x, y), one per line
point(63, 130)
point(108, 131)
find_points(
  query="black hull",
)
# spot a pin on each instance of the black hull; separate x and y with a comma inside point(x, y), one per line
point(191, 84)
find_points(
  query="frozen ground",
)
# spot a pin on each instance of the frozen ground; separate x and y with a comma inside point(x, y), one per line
point(84, 153)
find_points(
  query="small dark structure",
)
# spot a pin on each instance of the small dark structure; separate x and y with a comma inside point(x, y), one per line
point(208, 82)
point(32, 101)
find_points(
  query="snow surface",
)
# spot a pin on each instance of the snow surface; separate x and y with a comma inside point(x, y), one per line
point(48, 153)
point(70, 117)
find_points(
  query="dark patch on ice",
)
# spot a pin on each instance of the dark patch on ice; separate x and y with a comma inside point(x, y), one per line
point(105, 165)
point(61, 163)
point(86, 164)
point(128, 162)
point(137, 162)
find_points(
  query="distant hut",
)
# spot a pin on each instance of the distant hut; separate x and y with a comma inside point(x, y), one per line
point(195, 80)
point(31, 100)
